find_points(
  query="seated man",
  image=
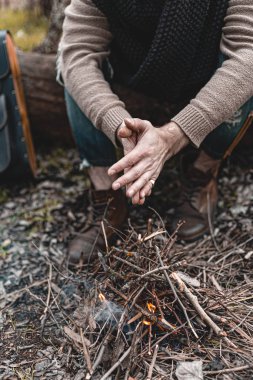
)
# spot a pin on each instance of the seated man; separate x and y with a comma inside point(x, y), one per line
point(199, 53)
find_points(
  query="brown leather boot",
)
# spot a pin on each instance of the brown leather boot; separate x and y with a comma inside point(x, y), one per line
point(198, 199)
point(107, 206)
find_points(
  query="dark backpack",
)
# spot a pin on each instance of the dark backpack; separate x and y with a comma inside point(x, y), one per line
point(17, 154)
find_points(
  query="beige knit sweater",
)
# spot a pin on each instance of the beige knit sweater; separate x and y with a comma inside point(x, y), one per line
point(85, 44)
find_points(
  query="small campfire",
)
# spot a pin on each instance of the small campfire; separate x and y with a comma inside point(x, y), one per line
point(140, 303)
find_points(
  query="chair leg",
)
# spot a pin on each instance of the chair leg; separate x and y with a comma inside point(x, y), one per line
point(248, 122)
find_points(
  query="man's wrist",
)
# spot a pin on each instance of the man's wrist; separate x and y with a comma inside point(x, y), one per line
point(117, 137)
point(173, 133)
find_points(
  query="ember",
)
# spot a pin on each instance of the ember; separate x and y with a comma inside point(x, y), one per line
point(101, 297)
point(147, 323)
point(151, 307)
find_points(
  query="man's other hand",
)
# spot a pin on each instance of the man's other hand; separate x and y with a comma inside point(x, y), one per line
point(147, 149)
point(128, 139)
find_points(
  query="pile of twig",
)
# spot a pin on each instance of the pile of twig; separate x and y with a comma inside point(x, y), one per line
point(147, 303)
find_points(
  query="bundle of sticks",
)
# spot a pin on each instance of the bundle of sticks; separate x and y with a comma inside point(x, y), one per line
point(147, 305)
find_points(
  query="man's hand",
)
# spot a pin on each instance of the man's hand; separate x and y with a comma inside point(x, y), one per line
point(128, 139)
point(143, 163)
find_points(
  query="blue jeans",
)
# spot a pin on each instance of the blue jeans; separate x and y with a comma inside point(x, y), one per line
point(95, 148)
point(218, 141)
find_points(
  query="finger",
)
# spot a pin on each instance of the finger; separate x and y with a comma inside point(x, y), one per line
point(139, 184)
point(127, 162)
point(124, 132)
point(142, 201)
point(130, 176)
point(146, 190)
point(129, 184)
point(136, 125)
point(136, 199)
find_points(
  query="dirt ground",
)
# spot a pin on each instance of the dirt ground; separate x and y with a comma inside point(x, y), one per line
point(37, 220)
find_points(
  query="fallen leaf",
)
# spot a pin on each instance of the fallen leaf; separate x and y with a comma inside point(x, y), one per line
point(190, 370)
point(188, 280)
point(76, 337)
point(248, 255)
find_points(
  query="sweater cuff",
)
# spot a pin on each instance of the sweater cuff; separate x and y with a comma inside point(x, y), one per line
point(194, 124)
point(112, 120)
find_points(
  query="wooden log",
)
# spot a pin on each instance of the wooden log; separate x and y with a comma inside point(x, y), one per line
point(46, 106)
point(47, 110)
point(45, 99)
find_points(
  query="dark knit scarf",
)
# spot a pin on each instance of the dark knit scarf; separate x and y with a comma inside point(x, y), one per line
point(165, 48)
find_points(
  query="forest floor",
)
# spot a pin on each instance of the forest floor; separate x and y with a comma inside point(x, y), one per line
point(43, 325)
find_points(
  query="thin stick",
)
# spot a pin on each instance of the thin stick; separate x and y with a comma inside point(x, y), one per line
point(105, 237)
point(45, 312)
point(160, 218)
point(228, 370)
point(86, 353)
point(158, 303)
point(103, 262)
point(149, 338)
point(160, 269)
point(211, 224)
point(137, 316)
point(195, 303)
point(175, 293)
point(201, 312)
point(150, 371)
point(122, 358)
point(49, 289)
point(216, 284)
point(149, 226)
point(154, 234)
point(133, 348)
point(99, 358)
point(20, 291)
point(217, 317)
point(138, 295)
point(128, 263)
point(116, 365)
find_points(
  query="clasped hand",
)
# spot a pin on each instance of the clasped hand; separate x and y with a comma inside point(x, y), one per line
point(146, 149)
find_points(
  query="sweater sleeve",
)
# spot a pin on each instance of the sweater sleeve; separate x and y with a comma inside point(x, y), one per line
point(232, 84)
point(84, 46)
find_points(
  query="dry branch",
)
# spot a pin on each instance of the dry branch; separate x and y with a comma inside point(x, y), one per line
point(201, 312)
point(151, 367)
point(175, 293)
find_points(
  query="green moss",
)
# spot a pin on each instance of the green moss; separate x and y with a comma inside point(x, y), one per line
point(3, 253)
point(4, 195)
point(27, 27)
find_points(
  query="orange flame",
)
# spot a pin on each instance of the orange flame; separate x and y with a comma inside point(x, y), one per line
point(151, 307)
point(101, 297)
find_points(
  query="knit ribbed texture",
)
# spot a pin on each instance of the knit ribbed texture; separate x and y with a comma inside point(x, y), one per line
point(112, 120)
point(85, 44)
point(193, 123)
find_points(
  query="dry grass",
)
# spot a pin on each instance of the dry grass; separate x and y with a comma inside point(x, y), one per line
point(28, 27)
